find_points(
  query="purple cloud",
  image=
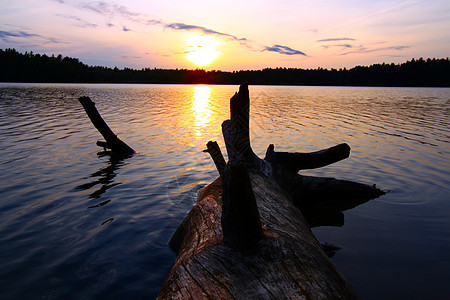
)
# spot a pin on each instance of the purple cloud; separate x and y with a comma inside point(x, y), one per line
point(366, 50)
point(182, 26)
point(81, 22)
point(283, 50)
point(336, 39)
point(19, 34)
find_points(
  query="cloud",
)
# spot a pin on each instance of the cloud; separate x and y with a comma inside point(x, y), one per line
point(340, 45)
point(359, 49)
point(124, 12)
point(182, 26)
point(283, 50)
point(363, 49)
point(335, 40)
point(243, 41)
point(81, 22)
point(344, 46)
point(153, 22)
point(126, 57)
point(110, 10)
point(107, 9)
point(19, 34)
point(97, 6)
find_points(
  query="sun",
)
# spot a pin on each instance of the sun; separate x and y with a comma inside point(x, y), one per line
point(201, 50)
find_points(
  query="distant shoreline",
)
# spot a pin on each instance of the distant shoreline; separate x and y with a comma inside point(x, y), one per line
point(35, 68)
point(224, 84)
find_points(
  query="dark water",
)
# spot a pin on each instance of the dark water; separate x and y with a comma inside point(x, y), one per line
point(75, 224)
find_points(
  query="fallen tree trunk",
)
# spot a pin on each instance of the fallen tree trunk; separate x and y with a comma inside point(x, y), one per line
point(246, 237)
point(116, 145)
point(288, 262)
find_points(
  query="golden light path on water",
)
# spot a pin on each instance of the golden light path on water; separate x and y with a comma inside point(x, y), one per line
point(200, 107)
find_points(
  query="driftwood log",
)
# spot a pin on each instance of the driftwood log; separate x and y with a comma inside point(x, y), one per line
point(246, 237)
point(116, 145)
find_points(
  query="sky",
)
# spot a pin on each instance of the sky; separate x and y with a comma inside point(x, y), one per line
point(229, 35)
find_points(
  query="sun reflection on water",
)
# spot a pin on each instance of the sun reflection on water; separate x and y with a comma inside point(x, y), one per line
point(201, 107)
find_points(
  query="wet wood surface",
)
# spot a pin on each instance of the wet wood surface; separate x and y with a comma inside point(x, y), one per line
point(287, 263)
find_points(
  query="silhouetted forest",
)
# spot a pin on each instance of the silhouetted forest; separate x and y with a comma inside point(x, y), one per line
point(30, 67)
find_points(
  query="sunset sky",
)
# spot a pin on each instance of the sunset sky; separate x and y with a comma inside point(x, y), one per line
point(229, 35)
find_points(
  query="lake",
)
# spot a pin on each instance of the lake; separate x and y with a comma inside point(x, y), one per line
point(78, 224)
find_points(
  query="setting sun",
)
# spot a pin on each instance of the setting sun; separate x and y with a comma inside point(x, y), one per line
point(201, 50)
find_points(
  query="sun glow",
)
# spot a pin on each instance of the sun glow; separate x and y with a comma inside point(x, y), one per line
point(201, 50)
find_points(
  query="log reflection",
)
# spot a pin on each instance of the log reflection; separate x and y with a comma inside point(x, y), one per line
point(103, 179)
point(325, 208)
point(329, 212)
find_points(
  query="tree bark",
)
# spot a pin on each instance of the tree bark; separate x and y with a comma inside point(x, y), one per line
point(272, 253)
point(112, 141)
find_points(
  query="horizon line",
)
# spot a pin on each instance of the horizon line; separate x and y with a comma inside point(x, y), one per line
point(216, 70)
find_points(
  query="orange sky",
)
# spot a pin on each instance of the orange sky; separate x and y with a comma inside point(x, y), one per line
point(229, 35)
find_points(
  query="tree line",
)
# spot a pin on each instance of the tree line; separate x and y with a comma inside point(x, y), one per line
point(30, 67)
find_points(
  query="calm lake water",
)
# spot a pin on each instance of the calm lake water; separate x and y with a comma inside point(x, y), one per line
point(76, 224)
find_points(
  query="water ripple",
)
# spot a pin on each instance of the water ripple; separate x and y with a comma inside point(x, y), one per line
point(74, 223)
